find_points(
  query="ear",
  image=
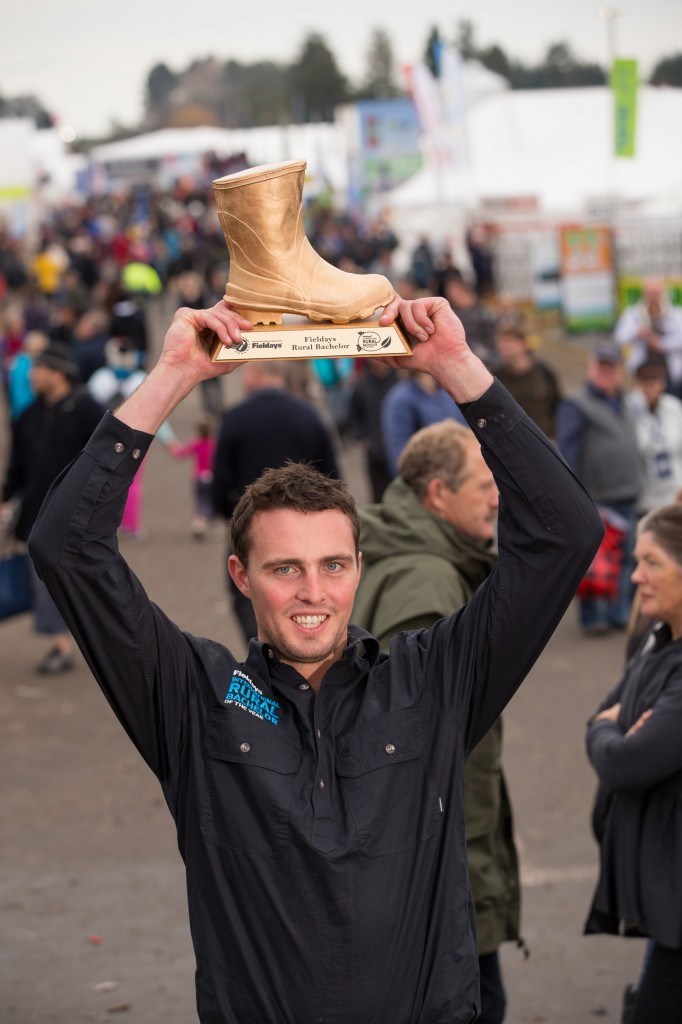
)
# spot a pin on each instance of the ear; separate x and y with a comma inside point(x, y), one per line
point(433, 499)
point(239, 576)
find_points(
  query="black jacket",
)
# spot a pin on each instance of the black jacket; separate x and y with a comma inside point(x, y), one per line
point(323, 835)
point(262, 432)
point(45, 438)
point(640, 884)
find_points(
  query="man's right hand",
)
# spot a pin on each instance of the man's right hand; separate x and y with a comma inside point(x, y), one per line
point(191, 335)
point(441, 348)
point(185, 360)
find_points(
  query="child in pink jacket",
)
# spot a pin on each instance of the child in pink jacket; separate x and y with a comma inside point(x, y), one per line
point(202, 449)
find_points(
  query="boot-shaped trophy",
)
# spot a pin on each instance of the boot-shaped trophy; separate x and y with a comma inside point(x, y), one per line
point(275, 272)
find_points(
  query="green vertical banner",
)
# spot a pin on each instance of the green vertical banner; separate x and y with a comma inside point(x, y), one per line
point(624, 84)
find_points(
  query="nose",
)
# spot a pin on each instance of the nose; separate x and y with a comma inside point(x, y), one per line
point(310, 589)
point(636, 576)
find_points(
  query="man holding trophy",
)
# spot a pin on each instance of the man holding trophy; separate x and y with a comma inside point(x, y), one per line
point(317, 786)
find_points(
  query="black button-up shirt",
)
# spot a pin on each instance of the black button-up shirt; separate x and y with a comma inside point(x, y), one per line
point(323, 834)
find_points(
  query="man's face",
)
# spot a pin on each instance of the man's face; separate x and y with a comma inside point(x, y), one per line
point(653, 293)
point(472, 508)
point(605, 375)
point(302, 575)
point(511, 350)
point(45, 381)
point(652, 384)
point(459, 295)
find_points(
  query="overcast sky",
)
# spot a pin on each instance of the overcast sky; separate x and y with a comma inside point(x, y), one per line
point(88, 61)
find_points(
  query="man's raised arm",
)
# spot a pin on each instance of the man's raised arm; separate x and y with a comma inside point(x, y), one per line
point(549, 531)
point(183, 363)
point(137, 655)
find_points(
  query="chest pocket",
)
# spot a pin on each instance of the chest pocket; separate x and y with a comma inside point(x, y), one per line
point(384, 776)
point(250, 767)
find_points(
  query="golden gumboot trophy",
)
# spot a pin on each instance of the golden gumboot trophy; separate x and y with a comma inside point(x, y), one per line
point(275, 272)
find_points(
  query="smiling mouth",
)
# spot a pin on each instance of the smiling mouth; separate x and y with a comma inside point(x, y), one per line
point(309, 621)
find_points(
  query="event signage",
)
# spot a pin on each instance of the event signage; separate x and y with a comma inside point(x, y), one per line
point(624, 84)
point(587, 278)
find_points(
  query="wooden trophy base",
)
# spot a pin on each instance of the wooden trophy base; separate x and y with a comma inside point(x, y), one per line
point(299, 338)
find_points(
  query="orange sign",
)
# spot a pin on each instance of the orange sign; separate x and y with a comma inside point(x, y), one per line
point(585, 250)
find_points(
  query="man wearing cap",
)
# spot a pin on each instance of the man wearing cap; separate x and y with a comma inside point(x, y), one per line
point(529, 380)
point(45, 438)
point(658, 422)
point(652, 327)
point(596, 435)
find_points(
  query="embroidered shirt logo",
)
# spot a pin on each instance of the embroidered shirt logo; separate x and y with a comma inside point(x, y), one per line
point(247, 696)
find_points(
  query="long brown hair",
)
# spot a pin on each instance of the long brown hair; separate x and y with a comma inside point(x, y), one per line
point(665, 525)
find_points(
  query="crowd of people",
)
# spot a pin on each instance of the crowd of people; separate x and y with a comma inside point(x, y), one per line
point(74, 341)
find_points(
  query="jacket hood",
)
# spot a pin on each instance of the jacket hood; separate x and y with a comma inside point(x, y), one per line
point(413, 563)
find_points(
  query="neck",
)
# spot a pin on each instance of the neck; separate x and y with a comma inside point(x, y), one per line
point(676, 628)
point(314, 673)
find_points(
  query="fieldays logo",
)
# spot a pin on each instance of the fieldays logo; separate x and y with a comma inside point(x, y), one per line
point(245, 695)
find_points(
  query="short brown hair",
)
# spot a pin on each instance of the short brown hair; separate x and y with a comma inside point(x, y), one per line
point(510, 328)
point(297, 486)
point(436, 451)
point(665, 526)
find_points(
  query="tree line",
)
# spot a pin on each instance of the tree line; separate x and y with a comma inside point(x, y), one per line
point(232, 94)
point(235, 95)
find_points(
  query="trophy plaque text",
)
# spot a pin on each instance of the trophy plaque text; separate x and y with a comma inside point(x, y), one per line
point(303, 339)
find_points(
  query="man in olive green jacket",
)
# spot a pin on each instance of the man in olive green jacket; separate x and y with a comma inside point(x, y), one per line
point(425, 549)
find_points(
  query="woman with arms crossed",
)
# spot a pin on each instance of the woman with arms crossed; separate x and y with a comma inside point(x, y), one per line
point(634, 743)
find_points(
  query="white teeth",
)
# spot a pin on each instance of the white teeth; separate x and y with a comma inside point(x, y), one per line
point(309, 621)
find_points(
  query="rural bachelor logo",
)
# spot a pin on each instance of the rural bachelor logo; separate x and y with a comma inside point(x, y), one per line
point(371, 341)
point(245, 695)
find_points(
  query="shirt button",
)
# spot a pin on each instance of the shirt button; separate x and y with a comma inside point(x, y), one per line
point(319, 735)
point(118, 448)
point(481, 423)
point(245, 748)
point(136, 453)
point(322, 784)
point(389, 748)
point(304, 686)
point(271, 654)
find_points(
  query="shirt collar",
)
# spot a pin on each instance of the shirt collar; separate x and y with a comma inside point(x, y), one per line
point(263, 657)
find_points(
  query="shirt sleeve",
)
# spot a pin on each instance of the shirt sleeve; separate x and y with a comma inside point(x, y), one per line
point(140, 659)
point(570, 425)
point(628, 326)
point(398, 423)
point(222, 489)
point(672, 330)
point(549, 530)
point(647, 757)
point(15, 475)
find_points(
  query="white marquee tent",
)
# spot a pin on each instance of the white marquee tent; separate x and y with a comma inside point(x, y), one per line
point(321, 145)
point(553, 146)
